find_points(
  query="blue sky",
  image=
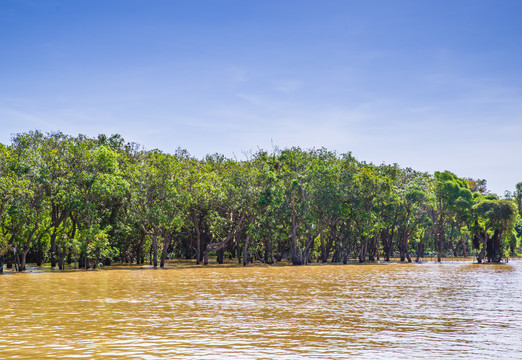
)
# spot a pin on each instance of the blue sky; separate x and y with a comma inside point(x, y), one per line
point(432, 85)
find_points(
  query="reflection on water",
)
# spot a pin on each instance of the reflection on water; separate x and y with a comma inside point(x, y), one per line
point(455, 311)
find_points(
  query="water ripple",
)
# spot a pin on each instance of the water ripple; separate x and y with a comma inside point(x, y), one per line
point(457, 310)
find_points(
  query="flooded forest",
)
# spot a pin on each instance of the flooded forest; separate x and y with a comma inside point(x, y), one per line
point(81, 202)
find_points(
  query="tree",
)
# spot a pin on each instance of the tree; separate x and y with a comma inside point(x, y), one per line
point(497, 216)
point(518, 197)
point(235, 191)
point(26, 210)
point(101, 188)
point(453, 199)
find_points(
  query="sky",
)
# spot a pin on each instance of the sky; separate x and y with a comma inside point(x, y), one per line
point(431, 85)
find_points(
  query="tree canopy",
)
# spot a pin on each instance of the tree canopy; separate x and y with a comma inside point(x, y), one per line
point(86, 202)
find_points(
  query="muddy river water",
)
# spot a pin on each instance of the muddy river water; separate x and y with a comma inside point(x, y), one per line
point(450, 311)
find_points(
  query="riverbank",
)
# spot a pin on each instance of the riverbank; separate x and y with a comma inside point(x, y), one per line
point(184, 264)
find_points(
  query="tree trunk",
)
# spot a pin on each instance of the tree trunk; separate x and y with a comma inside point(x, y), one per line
point(207, 250)
point(231, 236)
point(401, 234)
point(39, 252)
point(387, 243)
point(16, 260)
point(205, 257)
point(61, 261)
point(138, 255)
point(198, 240)
point(9, 261)
point(269, 257)
point(440, 237)
point(296, 259)
point(420, 251)
point(139, 248)
point(362, 252)
point(155, 250)
point(464, 247)
point(237, 245)
point(1, 264)
point(405, 251)
point(493, 251)
point(220, 254)
point(53, 249)
point(324, 252)
point(484, 239)
point(166, 243)
point(23, 260)
point(245, 251)
point(335, 256)
point(297, 256)
point(372, 249)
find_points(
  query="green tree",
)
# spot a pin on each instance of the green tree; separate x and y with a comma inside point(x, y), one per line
point(497, 216)
point(453, 199)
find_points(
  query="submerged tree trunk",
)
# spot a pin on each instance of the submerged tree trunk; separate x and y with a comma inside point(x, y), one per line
point(362, 252)
point(237, 246)
point(231, 235)
point(484, 239)
point(387, 243)
point(268, 256)
point(402, 247)
point(220, 255)
point(494, 251)
point(420, 251)
point(166, 243)
point(297, 256)
point(61, 261)
point(198, 239)
point(53, 249)
point(155, 250)
point(245, 251)
point(139, 248)
point(39, 252)
point(372, 249)
point(405, 246)
point(9, 261)
point(23, 259)
point(464, 246)
point(453, 247)
point(324, 250)
point(335, 256)
point(16, 260)
point(296, 252)
point(345, 257)
point(440, 237)
point(205, 257)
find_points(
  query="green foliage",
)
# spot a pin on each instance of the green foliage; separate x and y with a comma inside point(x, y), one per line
point(102, 198)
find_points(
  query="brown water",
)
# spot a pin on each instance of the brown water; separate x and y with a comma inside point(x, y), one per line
point(452, 311)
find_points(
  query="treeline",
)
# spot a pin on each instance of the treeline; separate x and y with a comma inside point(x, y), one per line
point(89, 201)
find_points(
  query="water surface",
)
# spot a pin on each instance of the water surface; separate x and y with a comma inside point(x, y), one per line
point(452, 310)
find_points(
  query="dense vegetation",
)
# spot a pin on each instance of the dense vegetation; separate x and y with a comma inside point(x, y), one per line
point(89, 201)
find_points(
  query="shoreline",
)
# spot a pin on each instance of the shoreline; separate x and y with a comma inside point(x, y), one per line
point(178, 264)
